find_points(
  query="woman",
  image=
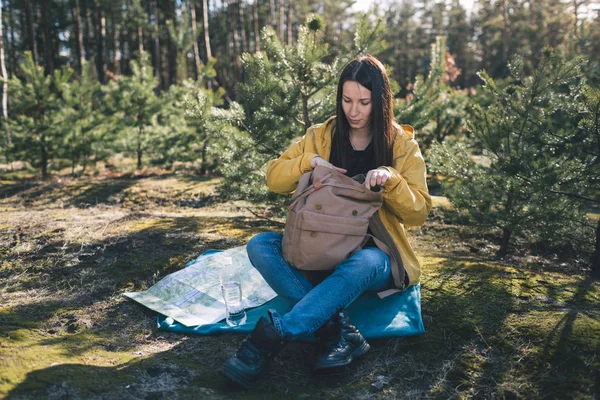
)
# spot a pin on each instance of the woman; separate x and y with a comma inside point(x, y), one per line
point(361, 139)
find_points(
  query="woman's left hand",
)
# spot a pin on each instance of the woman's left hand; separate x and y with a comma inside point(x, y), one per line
point(377, 177)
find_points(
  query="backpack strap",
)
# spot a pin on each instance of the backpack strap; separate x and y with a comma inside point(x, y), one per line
point(396, 270)
point(385, 243)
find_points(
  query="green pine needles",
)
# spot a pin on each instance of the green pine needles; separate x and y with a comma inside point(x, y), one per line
point(35, 105)
point(535, 178)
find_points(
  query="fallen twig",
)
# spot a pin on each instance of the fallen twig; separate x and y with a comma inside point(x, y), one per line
point(264, 217)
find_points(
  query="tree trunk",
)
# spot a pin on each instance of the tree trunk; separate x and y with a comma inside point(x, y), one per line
point(44, 154)
point(204, 163)
point(123, 49)
point(505, 242)
point(11, 27)
point(78, 32)
point(505, 38)
point(289, 24)
point(4, 79)
point(100, 22)
point(156, 40)
point(281, 20)
point(273, 18)
point(307, 122)
point(89, 35)
point(164, 48)
point(206, 32)
point(164, 65)
point(234, 27)
point(115, 44)
point(139, 142)
point(30, 29)
point(578, 29)
point(4, 117)
point(104, 43)
point(256, 27)
point(171, 50)
point(242, 21)
point(596, 256)
point(140, 34)
point(575, 22)
point(46, 39)
point(182, 71)
point(73, 156)
point(84, 163)
point(194, 28)
point(233, 14)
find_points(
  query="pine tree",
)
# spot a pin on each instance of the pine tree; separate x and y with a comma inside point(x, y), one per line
point(589, 151)
point(513, 192)
point(35, 102)
point(434, 109)
point(205, 118)
point(575, 149)
point(169, 139)
point(134, 105)
point(190, 124)
point(215, 128)
point(79, 121)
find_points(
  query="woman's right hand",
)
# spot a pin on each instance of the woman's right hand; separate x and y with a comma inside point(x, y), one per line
point(321, 162)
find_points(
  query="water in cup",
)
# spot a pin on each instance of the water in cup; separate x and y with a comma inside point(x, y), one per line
point(232, 294)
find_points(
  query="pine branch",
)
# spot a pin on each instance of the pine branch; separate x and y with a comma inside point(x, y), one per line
point(569, 194)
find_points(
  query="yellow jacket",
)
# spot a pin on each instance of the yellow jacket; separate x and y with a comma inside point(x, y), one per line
point(406, 200)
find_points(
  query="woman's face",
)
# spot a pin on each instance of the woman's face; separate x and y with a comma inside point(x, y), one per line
point(356, 103)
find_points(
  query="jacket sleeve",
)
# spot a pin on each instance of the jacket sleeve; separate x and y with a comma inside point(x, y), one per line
point(405, 194)
point(284, 173)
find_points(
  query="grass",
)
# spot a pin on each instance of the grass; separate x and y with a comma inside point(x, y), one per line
point(527, 326)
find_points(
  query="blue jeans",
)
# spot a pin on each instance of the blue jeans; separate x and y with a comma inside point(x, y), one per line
point(366, 270)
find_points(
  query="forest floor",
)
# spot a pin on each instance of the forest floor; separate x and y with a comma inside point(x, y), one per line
point(526, 326)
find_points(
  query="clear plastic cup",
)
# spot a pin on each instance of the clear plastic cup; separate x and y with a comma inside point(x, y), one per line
point(231, 290)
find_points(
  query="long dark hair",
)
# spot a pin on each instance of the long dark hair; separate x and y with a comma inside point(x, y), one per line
point(370, 73)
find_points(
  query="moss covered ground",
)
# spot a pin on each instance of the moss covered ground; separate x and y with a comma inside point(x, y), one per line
point(527, 326)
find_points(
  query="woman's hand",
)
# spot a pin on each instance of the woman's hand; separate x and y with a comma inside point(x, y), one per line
point(319, 161)
point(377, 177)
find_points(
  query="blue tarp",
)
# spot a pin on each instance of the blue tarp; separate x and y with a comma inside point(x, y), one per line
point(395, 315)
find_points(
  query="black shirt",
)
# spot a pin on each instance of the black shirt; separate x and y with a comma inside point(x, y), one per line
point(357, 161)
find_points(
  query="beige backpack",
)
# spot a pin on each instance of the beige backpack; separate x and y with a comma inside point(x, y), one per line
point(328, 219)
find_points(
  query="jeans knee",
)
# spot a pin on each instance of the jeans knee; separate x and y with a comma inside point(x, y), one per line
point(366, 262)
point(257, 242)
point(261, 245)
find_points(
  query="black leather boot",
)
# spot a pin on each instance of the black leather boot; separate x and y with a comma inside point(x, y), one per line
point(328, 335)
point(341, 347)
point(263, 343)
